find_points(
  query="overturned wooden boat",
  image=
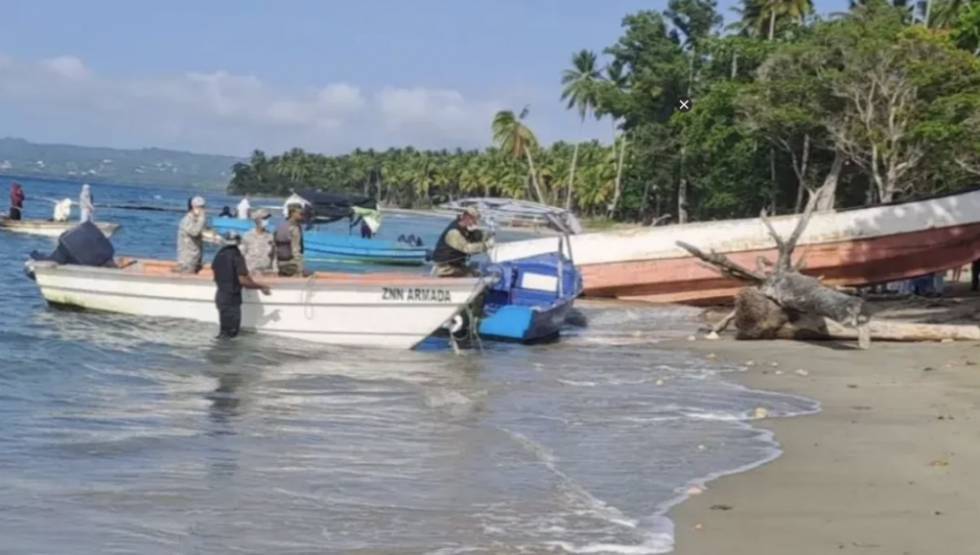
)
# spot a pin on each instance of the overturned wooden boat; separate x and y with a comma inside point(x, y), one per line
point(367, 310)
point(853, 247)
point(49, 228)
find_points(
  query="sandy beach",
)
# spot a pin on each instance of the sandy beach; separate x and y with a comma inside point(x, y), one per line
point(891, 464)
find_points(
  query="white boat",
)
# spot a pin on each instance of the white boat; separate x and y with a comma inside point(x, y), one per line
point(369, 310)
point(851, 248)
point(49, 228)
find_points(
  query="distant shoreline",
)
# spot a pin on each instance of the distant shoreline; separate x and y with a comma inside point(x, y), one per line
point(12, 176)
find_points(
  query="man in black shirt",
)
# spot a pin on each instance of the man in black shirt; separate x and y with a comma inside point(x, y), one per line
point(230, 275)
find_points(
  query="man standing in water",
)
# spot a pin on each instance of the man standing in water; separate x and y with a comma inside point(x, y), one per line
point(457, 243)
point(289, 243)
point(258, 246)
point(190, 238)
point(231, 275)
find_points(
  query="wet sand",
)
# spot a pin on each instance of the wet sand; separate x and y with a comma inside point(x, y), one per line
point(891, 465)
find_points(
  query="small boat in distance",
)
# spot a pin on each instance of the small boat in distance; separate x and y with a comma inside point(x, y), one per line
point(853, 247)
point(520, 214)
point(49, 228)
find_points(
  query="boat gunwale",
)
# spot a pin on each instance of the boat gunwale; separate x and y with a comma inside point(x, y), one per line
point(130, 265)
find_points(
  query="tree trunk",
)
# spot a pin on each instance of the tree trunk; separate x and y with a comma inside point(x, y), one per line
point(571, 178)
point(534, 176)
point(619, 176)
point(772, 23)
point(827, 193)
point(759, 317)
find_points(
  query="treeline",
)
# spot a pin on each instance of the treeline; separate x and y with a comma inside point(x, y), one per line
point(867, 106)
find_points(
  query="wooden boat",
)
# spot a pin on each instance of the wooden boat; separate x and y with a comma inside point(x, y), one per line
point(372, 310)
point(342, 248)
point(849, 247)
point(49, 228)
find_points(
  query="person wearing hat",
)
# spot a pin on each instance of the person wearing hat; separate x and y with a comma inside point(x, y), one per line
point(230, 276)
point(288, 240)
point(190, 238)
point(258, 245)
point(460, 239)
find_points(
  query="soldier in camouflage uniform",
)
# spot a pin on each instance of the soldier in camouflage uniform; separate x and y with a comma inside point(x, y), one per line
point(289, 243)
point(190, 238)
point(258, 246)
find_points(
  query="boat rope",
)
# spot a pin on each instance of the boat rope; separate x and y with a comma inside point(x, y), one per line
point(307, 295)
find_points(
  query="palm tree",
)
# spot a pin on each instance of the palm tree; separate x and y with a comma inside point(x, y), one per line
point(580, 92)
point(512, 136)
point(761, 15)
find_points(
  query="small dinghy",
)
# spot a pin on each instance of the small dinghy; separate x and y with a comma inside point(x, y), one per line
point(49, 228)
point(527, 300)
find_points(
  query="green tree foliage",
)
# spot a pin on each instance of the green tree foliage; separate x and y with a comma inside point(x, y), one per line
point(867, 106)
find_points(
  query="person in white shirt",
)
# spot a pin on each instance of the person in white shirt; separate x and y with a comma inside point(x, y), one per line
point(243, 207)
point(62, 210)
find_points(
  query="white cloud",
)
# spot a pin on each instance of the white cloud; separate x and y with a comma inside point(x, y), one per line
point(221, 112)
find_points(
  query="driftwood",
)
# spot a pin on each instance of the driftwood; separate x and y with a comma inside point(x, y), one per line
point(759, 317)
point(786, 297)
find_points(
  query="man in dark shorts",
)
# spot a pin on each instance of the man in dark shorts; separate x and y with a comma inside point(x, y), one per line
point(231, 275)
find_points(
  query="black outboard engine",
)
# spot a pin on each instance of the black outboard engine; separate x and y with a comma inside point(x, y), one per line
point(82, 245)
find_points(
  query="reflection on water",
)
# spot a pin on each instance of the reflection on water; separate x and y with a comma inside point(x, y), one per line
point(132, 435)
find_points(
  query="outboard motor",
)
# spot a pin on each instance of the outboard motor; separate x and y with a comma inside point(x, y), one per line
point(82, 245)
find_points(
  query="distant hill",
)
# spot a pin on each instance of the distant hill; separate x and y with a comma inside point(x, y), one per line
point(147, 166)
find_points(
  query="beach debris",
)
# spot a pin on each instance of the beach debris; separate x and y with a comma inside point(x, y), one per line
point(721, 507)
point(692, 338)
point(852, 385)
point(694, 490)
point(774, 364)
point(760, 413)
point(701, 447)
point(711, 356)
point(939, 463)
point(778, 372)
point(698, 526)
point(802, 372)
point(782, 303)
point(658, 382)
point(750, 363)
point(712, 335)
point(928, 369)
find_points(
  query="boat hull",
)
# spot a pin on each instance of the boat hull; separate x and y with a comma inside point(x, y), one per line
point(343, 248)
point(337, 309)
point(847, 248)
point(49, 229)
point(525, 324)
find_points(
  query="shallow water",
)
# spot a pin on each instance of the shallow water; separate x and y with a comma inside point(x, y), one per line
point(123, 435)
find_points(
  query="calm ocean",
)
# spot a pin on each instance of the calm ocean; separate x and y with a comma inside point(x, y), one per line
point(129, 435)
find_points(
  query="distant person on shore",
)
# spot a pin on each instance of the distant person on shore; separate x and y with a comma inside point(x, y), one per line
point(86, 204)
point(231, 275)
point(289, 243)
point(258, 246)
point(226, 213)
point(17, 199)
point(243, 208)
point(460, 239)
point(190, 238)
point(62, 211)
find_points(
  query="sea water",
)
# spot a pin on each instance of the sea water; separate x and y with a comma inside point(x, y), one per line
point(129, 435)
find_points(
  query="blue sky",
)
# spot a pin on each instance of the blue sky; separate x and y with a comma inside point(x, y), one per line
point(227, 76)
